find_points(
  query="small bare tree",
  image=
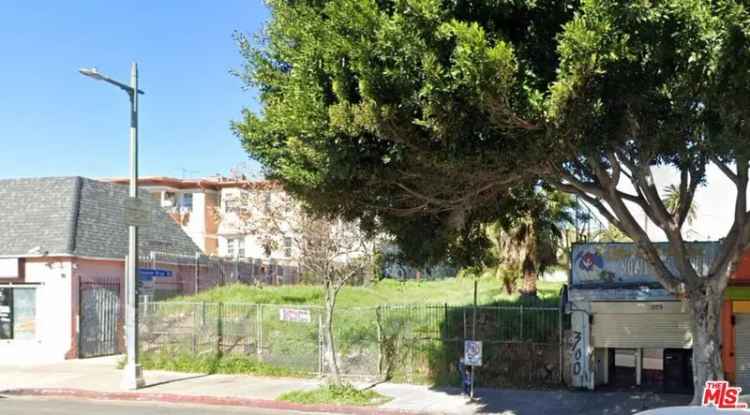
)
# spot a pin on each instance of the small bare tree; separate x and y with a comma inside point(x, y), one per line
point(335, 252)
point(329, 250)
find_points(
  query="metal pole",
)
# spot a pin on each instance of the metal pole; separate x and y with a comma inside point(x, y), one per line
point(133, 374)
point(474, 335)
point(197, 270)
point(560, 340)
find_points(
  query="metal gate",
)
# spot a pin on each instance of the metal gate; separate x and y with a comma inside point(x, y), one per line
point(99, 305)
point(742, 349)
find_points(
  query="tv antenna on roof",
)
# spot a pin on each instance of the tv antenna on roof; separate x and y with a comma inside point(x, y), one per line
point(186, 173)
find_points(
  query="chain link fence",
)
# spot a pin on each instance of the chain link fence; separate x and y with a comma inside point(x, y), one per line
point(406, 343)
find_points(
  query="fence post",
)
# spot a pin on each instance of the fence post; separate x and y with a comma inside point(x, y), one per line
point(320, 345)
point(446, 329)
point(203, 314)
point(259, 331)
point(145, 307)
point(219, 329)
point(464, 311)
point(521, 322)
point(197, 270)
point(378, 323)
point(194, 336)
point(560, 342)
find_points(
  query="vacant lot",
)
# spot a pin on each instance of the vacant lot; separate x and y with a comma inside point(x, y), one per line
point(453, 291)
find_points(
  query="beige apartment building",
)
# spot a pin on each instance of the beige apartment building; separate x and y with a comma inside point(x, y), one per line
point(210, 210)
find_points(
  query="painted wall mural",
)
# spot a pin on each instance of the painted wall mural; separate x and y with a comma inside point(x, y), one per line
point(620, 264)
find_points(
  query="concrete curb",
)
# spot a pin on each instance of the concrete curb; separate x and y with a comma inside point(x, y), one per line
point(200, 400)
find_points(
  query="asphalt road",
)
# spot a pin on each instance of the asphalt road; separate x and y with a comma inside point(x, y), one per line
point(48, 406)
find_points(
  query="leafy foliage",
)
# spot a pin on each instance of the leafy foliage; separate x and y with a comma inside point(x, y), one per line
point(408, 115)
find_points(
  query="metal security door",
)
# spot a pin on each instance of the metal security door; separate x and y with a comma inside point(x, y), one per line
point(742, 350)
point(99, 317)
point(636, 325)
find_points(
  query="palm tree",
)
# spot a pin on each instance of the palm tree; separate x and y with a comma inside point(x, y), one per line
point(671, 200)
point(529, 244)
point(610, 234)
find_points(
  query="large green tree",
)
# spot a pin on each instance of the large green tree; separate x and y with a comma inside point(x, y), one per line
point(429, 112)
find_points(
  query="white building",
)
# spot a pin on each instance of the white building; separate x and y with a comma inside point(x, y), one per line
point(62, 250)
point(222, 215)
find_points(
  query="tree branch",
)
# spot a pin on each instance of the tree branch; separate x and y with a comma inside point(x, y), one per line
point(724, 169)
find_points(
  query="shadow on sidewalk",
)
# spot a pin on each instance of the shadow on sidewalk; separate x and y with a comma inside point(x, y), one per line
point(562, 401)
point(165, 382)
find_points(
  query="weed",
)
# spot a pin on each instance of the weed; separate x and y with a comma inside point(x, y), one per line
point(338, 395)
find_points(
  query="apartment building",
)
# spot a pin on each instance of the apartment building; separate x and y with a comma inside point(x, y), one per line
point(224, 216)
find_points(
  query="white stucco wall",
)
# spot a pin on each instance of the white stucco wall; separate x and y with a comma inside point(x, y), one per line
point(196, 225)
point(53, 314)
point(580, 347)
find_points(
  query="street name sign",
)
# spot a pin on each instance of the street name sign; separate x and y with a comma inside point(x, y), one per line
point(150, 273)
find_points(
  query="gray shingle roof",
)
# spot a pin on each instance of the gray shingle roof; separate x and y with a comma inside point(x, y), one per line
point(81, 217)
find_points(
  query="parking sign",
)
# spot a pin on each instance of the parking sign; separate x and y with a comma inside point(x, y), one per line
point(473, 353)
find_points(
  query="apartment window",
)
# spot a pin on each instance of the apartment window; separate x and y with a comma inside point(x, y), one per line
point(187, 200)
point(17, 313)
point(236, 247)
point(241, 247)
point(169, 199)
point(287, 247)
point(231, 204)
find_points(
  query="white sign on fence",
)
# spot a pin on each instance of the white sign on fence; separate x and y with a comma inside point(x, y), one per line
point(472, 353)
point(295, 314)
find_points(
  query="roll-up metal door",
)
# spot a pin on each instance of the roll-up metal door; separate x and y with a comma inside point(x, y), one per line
point(742, 350)
point(658, 325)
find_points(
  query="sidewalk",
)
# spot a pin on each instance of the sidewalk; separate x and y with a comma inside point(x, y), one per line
point(98, 379)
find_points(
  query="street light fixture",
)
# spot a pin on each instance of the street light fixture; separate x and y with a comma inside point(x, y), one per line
point(133, 374)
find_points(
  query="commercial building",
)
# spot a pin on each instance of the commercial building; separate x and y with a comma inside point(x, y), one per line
point(62, 250)
point(735, 325)
point(626, 329)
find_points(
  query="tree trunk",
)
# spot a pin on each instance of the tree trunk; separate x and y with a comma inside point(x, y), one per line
point(333, 375)
point(705, 312)
point(529, 278)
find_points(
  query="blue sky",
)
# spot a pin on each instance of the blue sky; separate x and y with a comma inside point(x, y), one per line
point(55, 122)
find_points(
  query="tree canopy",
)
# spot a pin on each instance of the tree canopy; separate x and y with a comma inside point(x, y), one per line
point(440, 115)
point(422, 114)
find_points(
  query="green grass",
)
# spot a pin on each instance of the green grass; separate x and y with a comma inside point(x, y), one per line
point(356, 331)
point(336, 395)
point(210, 364)
point(454, 291)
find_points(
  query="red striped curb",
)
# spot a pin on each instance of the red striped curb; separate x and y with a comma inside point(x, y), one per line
point(202, 400)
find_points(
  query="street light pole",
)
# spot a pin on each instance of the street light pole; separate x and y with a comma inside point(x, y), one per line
point(133, 376)
point(133, 373)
